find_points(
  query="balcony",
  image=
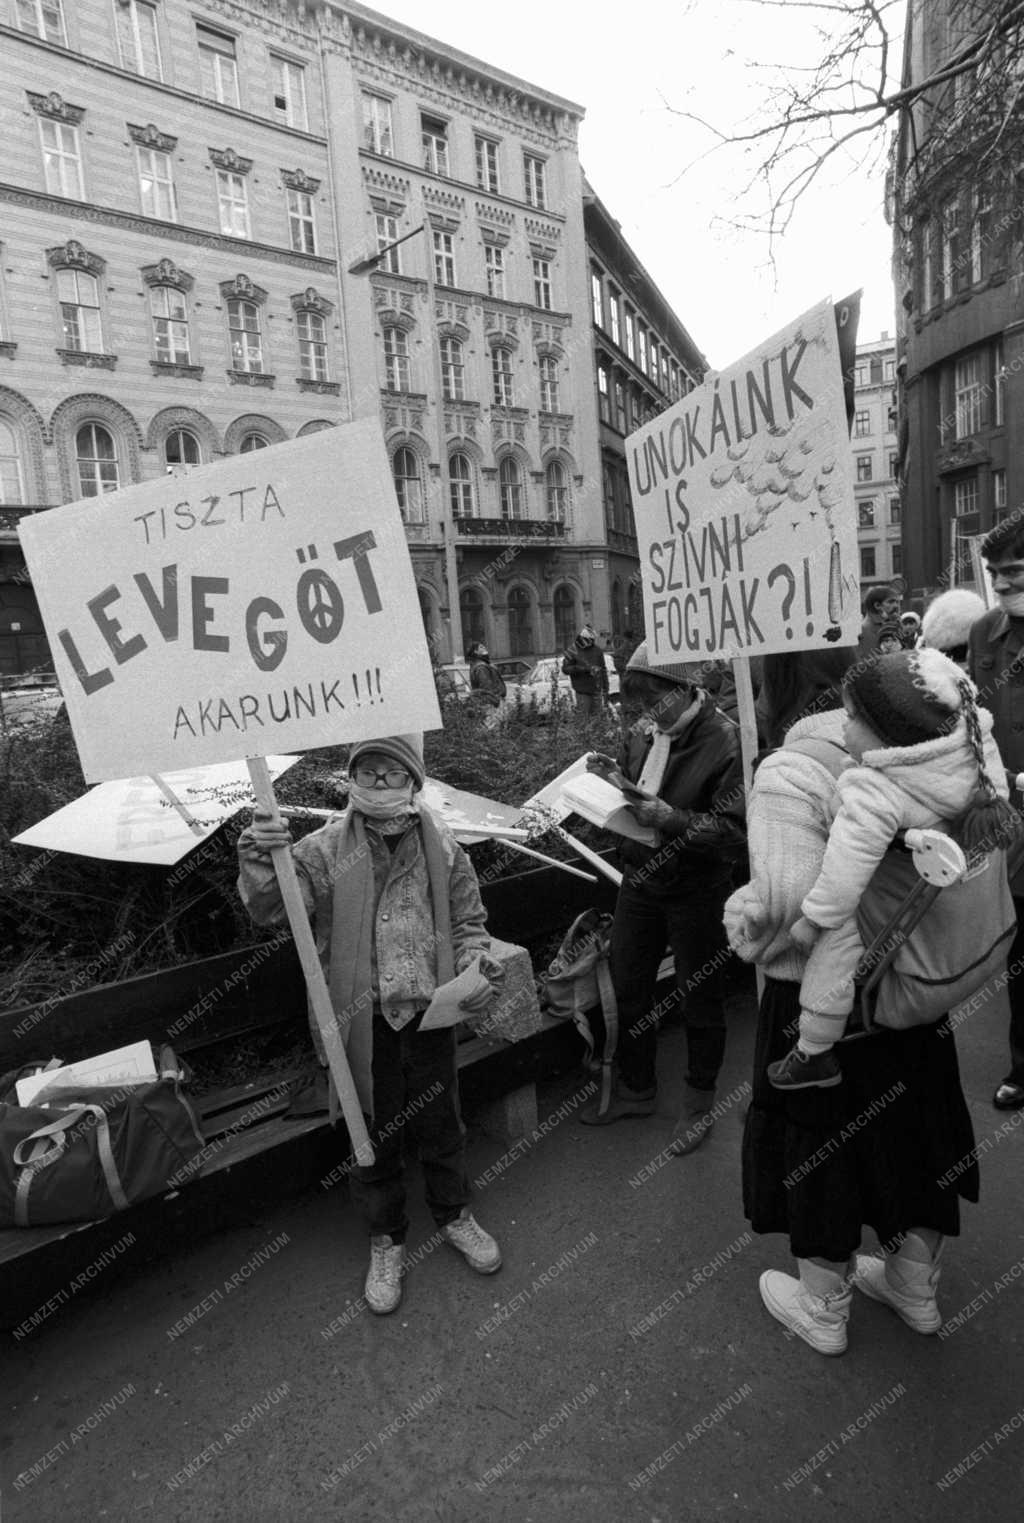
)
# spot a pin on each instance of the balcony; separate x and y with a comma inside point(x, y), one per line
point(11, 515)
point(507, 529)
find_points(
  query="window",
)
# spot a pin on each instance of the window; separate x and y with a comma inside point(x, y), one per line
point(312, 345)
point(510, 487)
point(863, 467)
point(965, 496)
point(137, 40)
point(181, 448)
point(396, 359)
point(867, 560)
point(655, 361)
point(641, 336)
point(486, 163)
point(890, 370)
point(387, 232)
point(471, 609)
point(460, 485)
point(11, 486)
point(156, 184)
point(894, 463)
point(613, 316)
point(520, 622)
point(999, 491)
point(233, 202)
point(542, 283)
point(533, 175)
point(548, 383)
point(43, 17)
point(897, 560)
point(597, 299)
point(556, 491)
point(62, 162)
point(289, 93)
point(630, 335)
point(246, 338)
point(968, 391)
point(251, 442)
point(566, 622)
point(79, 297)
point(1000, 383)
point(894, 510)
point(434, 137)
point(494, 262)
point(861, 425)
point(954, 271)
point(866, 514)
point(377, 135)
point(980, 232)
point(408, 486)
point(218, 66)
point(444, 258)
point(452, 370)
point(97, 461)
point(620, 405)
point(170, 325)
point(501, 376)
point(603, 405)
point(301, 223)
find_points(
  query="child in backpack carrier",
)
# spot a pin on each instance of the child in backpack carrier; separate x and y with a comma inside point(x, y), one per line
point(925, 758)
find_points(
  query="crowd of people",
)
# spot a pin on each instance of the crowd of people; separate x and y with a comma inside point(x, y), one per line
point(920, 725)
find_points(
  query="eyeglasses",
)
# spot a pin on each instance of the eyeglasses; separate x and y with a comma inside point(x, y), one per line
point(369, 777)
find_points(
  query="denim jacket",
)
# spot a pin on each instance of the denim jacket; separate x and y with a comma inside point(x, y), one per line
point(404, 962)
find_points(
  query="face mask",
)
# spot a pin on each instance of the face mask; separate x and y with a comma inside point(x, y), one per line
point(1012, 603)
point(381, 803)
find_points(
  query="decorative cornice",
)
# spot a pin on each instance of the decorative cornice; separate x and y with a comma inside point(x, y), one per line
point(152, 137)
point(166, 273)
point(54, 106)
point(72, 255)
point(295, 179)
point(251, 378)
point(184, 372)
point(383, 180)
point(498, 237)
point(488, 213)
point(444, 199)
point(310, 300)
point(324, 388)
point(228, 159)
point(389, 318)
point(387, 206)
point(88, 360)
point(448, 329)
point(166, 232)
point(243, 289)
point(548, 232)
point(442, 223)
point(542, 250)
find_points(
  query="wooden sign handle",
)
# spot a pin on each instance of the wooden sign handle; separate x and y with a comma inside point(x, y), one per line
point(319, 996)
point(748, 748)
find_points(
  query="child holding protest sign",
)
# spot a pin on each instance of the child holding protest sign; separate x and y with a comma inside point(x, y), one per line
point(398, 916)
point(926, 757)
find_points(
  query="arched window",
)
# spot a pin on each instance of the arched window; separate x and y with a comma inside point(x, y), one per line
point(452, 370)
point(564, 607)
point(97, 460)
point(312, 345)
point(408, 485)
point(396, 360)
point(510, 487)
point(471, 609)
point(251, 442)
point(12, 482)
point(501, 375)
point(556, 490)
point(460, 484)
point(181, 448)
point(520, 622)
point(548, 383)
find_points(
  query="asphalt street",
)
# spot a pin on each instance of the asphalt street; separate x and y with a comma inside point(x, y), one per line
point(619, 1367)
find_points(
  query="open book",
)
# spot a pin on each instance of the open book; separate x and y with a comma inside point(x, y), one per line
point(604, 804)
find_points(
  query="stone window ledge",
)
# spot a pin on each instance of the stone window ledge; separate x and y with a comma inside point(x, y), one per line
point(324, 388)
point(166, 367)
point(251, 378)
point(90, 361)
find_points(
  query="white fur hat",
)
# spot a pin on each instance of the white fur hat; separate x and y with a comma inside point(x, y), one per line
point(948, 618)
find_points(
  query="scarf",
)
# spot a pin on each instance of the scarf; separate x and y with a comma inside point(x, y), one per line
point(352, 928)
point(653, 774)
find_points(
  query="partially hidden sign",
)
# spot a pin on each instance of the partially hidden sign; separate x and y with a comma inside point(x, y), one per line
point(744, 505)
point(259, 605)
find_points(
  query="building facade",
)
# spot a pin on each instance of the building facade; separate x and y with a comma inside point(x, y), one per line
point(959, 272)
point(873, 444)
point(644, 360)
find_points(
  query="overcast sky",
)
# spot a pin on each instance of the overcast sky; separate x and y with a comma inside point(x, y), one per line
point(628, 66)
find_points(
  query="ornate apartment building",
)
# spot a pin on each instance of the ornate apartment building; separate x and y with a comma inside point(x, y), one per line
point(875, 465)
point(190, 203)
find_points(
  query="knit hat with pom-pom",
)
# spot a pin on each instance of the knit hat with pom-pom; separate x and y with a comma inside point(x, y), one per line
point(948, 618)
point(908, 697)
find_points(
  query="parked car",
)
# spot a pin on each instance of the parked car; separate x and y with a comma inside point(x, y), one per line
point(452, 680)
point(29, 697)
point(513, 668)
point(546, 682)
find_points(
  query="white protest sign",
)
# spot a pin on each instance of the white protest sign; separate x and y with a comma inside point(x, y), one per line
point(262, 604)
point(744, 506)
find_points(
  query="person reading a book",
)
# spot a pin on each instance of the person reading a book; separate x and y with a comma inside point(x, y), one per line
point(683, 756)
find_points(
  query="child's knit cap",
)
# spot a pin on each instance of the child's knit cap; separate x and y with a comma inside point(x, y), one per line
point(908, 697)
point(407, 750)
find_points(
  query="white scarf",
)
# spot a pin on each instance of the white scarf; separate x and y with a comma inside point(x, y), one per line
point(653, 774)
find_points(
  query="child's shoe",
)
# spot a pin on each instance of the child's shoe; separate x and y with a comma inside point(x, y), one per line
point(805, 1070)
point(477, 1247)
point(383, 1289)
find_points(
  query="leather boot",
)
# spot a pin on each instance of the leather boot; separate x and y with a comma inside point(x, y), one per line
point(695, 1121)
point(816, 1306)
point(905, 1280)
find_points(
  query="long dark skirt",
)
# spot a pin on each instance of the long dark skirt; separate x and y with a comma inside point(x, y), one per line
point(890, 1148)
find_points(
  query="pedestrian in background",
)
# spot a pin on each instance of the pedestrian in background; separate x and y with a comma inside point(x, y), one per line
point(485, 683)
point(584, 665)
point(910, 629)
point(881, 605)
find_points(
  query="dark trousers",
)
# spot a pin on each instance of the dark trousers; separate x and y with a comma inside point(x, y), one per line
point(588, 704)
point(414, 1087)
point(1015, 991)
point(691, 925)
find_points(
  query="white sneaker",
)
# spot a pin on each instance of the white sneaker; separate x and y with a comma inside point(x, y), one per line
point(383, 1289)
point(819, 1320)
point(906, 1281)
point(477, 1247)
